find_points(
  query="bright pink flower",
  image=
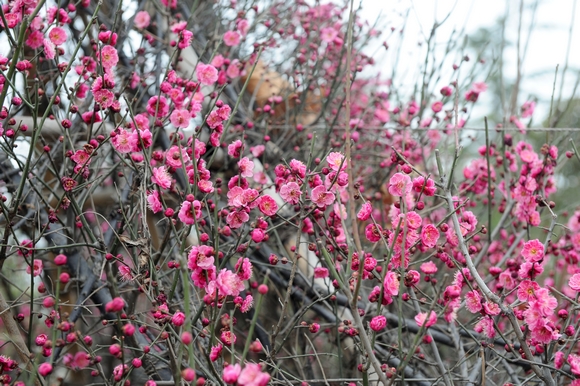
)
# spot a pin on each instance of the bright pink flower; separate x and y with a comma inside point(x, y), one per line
point(328, 34)
point(153, 202)
point(235, 148)
point(201, 257)
point(473, 301)
point(36, 268)
point(215, 353)
point(528, 109)
point(412, 220)
point(188, 375)
point(244, 268)
point(527, 290)
point(115, 349)
point(189, 212)
point(124, 142)
point(105, 98)
point(246, 167)
point(81, 360)
point(428, 268)
point(574, 361)
point(378, 323)
point(391, 284)
point(206, 74)
point(365, 211)
point(119, 371)
point(44, 369)
point(185, 38)
point(574, 282)
point(228, 338)
point(180, 118)
point(178, 319)
point(544, 302)
point(298, 168)
point(258, 150)
point(336, 161)
point(491, 309)
point(91, 117)
point(545, 332)
point(400, 185)
point(320, 272)
point(247, 304)
point(231, 373)
point(217, 61)
point(57, 35)
point(233, 70)
point(412, 278)
point(35, 39)
point(41, 339)
point(242, 197)
point(422, 318)
point(507, 281)
point(321, 197)
point(429, 235)
point(558, 359)
point(157, 106)
point(115, 305)
point(530, 270)
point(485, 326)
point(176, 157)
point(290, 192)
point(257, 235)
point(161, 177)
point(142, 19)
point(228, 283)
point(533, 251)
point(252, 375)
point(237, 218)
point(267, 205)
point(243, 26)
point(109, 57)
point(49, 49)
point(125, 273)
point(373, 232)
point(437, 106)
point(428, 187)
point(231, 38)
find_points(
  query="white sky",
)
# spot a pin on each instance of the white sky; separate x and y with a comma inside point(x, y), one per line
point(547, 44)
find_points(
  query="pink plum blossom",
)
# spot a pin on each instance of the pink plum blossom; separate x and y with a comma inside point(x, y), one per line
point(142, 19)
point(365, 211)
point(423, 319)
point(109, 57)
point(336, 161)
point(574, 282)
point(231, 38)
point(231, 373)
point(252, 375)
point(400, 185)
point(378, 323)
point(533, 251)
point(180, 118)
point(321, 197)
point(161, 177)
point(206, 74)
point(290, 192)
point(429, 235)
